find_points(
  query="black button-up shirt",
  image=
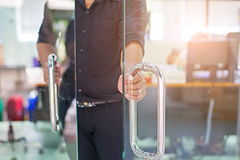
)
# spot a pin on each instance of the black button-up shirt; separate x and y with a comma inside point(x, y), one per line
point(99, 42)
point(98, 33)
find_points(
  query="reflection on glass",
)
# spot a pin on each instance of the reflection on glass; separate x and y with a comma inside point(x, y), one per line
point(202, 83)
point(23, 92)
point(198, 52)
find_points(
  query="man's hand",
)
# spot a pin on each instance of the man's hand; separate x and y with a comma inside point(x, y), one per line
point(58, 72)
point(135, 86)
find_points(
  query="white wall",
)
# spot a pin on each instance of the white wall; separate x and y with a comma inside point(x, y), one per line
point(15, 21)
point(178, 14)
point(157, 52)
point(183, 18)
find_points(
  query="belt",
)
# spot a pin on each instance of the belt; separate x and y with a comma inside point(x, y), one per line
point(93, 104)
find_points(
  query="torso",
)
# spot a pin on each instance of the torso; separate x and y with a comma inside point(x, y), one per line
point(97, 49)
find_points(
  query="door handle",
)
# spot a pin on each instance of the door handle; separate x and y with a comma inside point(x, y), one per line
point(160, 115)
point(53, 95)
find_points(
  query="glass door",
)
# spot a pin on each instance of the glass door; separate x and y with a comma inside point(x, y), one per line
point(29, 32)
point(196, 46)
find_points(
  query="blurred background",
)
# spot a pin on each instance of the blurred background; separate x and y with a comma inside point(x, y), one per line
point(196, 43)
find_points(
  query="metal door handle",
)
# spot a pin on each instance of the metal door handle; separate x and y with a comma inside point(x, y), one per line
point(160, 115)
point(53, 97)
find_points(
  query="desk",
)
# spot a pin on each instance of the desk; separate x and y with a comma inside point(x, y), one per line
point(198, 84)
point(11, 78)
point(197, 105)
point(215, 88)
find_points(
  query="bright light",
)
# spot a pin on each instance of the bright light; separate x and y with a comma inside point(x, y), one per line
point(27, 37)
point(222, 30)
point(156, 26)
point(189, 31)
point(11, 3)
point(61, 4)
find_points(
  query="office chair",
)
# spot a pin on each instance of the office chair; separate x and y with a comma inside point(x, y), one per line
point(12, 141)
point(14, 108)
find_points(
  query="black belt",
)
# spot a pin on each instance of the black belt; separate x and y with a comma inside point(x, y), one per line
point(93, 104)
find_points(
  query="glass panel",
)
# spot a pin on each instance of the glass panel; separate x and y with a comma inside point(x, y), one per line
point(99, 102)
point(29, 32)
point(196, 46)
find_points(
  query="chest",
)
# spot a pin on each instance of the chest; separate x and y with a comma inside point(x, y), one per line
point(89, 10)
point(88, 3)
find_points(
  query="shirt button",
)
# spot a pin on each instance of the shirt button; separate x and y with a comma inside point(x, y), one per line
point(79, 90)
point(80, 70)
point(87, 11)
point(84, 31)
point(81, 50)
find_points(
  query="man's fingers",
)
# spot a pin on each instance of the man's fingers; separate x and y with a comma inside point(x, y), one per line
point(59, 68)
point(134, 92)
point(57, 73)
point(138, 77)
point(137, 85)
point(135, 95)
point(128, 78)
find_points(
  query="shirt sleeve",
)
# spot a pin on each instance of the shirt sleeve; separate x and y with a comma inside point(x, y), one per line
point(136, 22)
point(46, 34)
point(70, 32)
point(69, 43)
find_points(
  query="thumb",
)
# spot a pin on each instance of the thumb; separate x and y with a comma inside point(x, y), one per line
point(128, 79)
point(120, 84)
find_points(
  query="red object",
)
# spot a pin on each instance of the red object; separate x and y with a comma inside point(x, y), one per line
point(15, 108)
point(148, 77)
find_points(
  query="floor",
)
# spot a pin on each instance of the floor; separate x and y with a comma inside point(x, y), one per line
point(230, 151)
point(39, 133)
point(55, 148)
point(32, 153)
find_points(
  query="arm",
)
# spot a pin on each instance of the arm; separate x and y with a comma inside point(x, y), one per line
point(44, 49)
point(136, 82)
point(46, 45)
point(136, 21)
point(133, 55)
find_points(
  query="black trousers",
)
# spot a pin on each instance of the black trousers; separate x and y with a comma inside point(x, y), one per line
point(63, 107)
point(100, 132)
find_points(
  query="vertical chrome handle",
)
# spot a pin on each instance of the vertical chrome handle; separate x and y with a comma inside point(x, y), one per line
point(160, 115)
point(53, 99)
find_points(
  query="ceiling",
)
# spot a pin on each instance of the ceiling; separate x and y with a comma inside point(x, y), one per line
point(11, 3)
point(52, 4)
point(61, 4)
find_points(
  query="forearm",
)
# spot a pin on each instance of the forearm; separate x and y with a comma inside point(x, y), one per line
point(133, 55)
point(44, 50)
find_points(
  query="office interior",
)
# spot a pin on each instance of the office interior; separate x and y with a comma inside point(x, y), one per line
point(196, 45)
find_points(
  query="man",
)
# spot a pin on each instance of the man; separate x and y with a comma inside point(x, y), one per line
point(99, 72)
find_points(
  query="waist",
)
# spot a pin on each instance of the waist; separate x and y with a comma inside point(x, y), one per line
point(93, 104)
